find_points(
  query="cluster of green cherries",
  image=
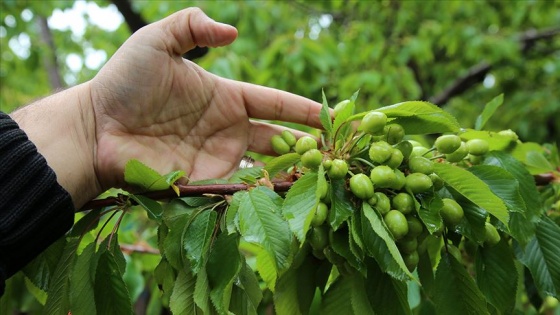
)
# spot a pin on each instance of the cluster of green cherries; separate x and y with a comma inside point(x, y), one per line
point(387, 174)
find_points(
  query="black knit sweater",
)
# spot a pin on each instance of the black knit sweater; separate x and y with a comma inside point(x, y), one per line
point(35, 210)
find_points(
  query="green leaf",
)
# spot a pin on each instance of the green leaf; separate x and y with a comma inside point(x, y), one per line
point(87, 223)
point(250, 284)
point(240, 303)
point(246, 175)
point(502, 184)
point(533, 156)
point(281, 163)
point(224, 263)
point(419, 117)
point(58, 301)
point(173, 245)
point(488, 111)
point(111, 294)
point(542, 257)
point(386, 294)
point(341, 204)
point(472, 225)
point(299, 205)
point(232, 219)
point(202, 292)
point(522, 226)
point(325, 115)
point(138, 174)
point(266, 266)
point(260, 223)
point(172, 177)
point(286, 300)
point(338, 298)
point(340, 243)
point(360, 297)
point(182, 298)
point(152, 207)
point(381, 246)
point(197, 238)
point(342, 119)
point(165, 276)
point(429, 212)
point(495, 140)
point(40, 270)
point(472, 188)
point(82, 298)
point(496, 276)
point(454, 289)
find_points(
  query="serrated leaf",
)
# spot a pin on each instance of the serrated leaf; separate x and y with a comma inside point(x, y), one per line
point(260, 223)
point(341, 204)
point(522, 226)
point(417, 117)
point(197, 238)
point(173, 176)
point(340, 243)
point(232, 219)
point(533, 156)
point(496, 276)
point(381, 246)
point(152, 207)
point(250, 284)
point(426, 273)
point(266, 266)
point(338, 298)
point(240, 303)
point(360, 297)
point(542, 256)
point(429, 212)
point(165, 276)
point(243, 174)
point(502, 184)
point(182, 298)
point(40, 270)
point(202, 292)
point(489, 110)
point(82, 298)
point(386, 294)
point(454, 289)
point(220, 274)
point(58, 300)
point(111, 294)
point(472, 225)
point(325, 115)
point(472, 188)
point(87, 223)
point(173, 245)
point(138, 174)
point(341, 120)
point(299, 205)
point(281, 163)
point(286, 294)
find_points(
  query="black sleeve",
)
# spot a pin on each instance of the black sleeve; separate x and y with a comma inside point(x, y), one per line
point(35, 210)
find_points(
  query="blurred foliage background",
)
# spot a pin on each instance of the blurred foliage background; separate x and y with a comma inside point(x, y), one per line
point(457, 54)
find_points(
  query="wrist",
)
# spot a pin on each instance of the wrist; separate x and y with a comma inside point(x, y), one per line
point(62, 127)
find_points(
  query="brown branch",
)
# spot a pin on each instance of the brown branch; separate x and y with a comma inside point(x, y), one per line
point(135, 248)
point(49, 58)
point(477, 73)
point(184, 191)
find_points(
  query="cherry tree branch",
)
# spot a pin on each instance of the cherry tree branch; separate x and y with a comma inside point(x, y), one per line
point(184, 191)
point(477, 73)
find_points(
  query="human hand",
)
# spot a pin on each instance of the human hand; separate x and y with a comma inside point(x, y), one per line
point(153, 105)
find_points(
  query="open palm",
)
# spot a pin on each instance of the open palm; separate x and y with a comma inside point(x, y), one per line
point(152, 105)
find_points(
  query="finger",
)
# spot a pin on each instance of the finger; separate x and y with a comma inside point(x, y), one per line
point(191, 27)
point(260, 134)
point(271, 104)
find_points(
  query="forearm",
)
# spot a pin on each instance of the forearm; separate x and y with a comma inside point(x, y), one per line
point(62, 127)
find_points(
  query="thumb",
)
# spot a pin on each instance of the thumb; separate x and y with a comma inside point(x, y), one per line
point(191, 27)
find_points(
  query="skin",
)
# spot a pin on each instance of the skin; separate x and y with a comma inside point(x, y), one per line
point(149, 103)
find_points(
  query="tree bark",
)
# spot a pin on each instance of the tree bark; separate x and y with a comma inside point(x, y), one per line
point(49, 58)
